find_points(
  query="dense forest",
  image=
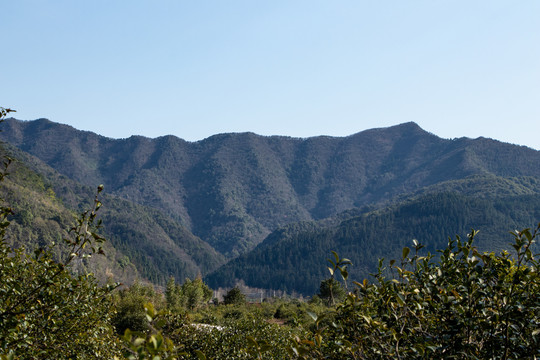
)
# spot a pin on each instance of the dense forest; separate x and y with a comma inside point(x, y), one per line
point(232, 190)
point(430, 219)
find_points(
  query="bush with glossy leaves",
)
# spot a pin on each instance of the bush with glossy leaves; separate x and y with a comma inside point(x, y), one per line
point(45, 310)
point(462, 304)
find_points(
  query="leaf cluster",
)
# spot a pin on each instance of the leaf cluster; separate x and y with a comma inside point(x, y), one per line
point(463, 304)
point(192, 294)
point(45, 310)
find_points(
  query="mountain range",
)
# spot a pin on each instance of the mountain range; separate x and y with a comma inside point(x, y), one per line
point(233, 201)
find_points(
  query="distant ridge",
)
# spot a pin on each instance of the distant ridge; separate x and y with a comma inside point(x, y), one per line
point(232, 190)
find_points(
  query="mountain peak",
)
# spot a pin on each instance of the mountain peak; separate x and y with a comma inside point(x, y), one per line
point(234, 188)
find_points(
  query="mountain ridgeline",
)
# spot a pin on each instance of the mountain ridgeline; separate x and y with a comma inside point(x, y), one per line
point(232, 190)
point(274, 207)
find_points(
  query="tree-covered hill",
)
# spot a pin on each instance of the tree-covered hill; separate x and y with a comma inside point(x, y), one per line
point(232, 190)
point(143, 243)
point(294, 258)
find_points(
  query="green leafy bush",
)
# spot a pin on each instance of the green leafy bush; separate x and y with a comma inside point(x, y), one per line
point(235, 339)
point(462, 304)
point(190, 295)
point(45, 310)
point(234, 296)
point(130, 307)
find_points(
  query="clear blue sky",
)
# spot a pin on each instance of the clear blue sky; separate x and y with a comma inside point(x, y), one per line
point(297, 68)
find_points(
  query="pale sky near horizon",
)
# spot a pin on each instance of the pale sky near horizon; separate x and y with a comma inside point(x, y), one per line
point(282, 67)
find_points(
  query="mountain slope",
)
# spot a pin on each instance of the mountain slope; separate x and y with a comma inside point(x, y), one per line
point(294, 258)
point(232, 190)
point(142, 242)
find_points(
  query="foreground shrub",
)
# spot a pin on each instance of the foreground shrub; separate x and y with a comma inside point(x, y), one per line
point(47, 312)
point(460, 305)
point(235, 339)
point(234, 296)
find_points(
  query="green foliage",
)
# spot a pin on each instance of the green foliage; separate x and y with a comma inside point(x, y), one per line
point(45, 311)
point(142, 346)
point(195, 293)
point(463, 304)
point(297, 313)
point(236, 339)
point(130, 307)
point(190, 295)
point(172, 295)
point(151, 344)
point(242, 331)
point(331, 292)
point(234, 296)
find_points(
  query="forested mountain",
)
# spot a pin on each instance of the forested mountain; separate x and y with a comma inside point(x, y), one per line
point(294, 258)
point(232, 190)
point(143, 243)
